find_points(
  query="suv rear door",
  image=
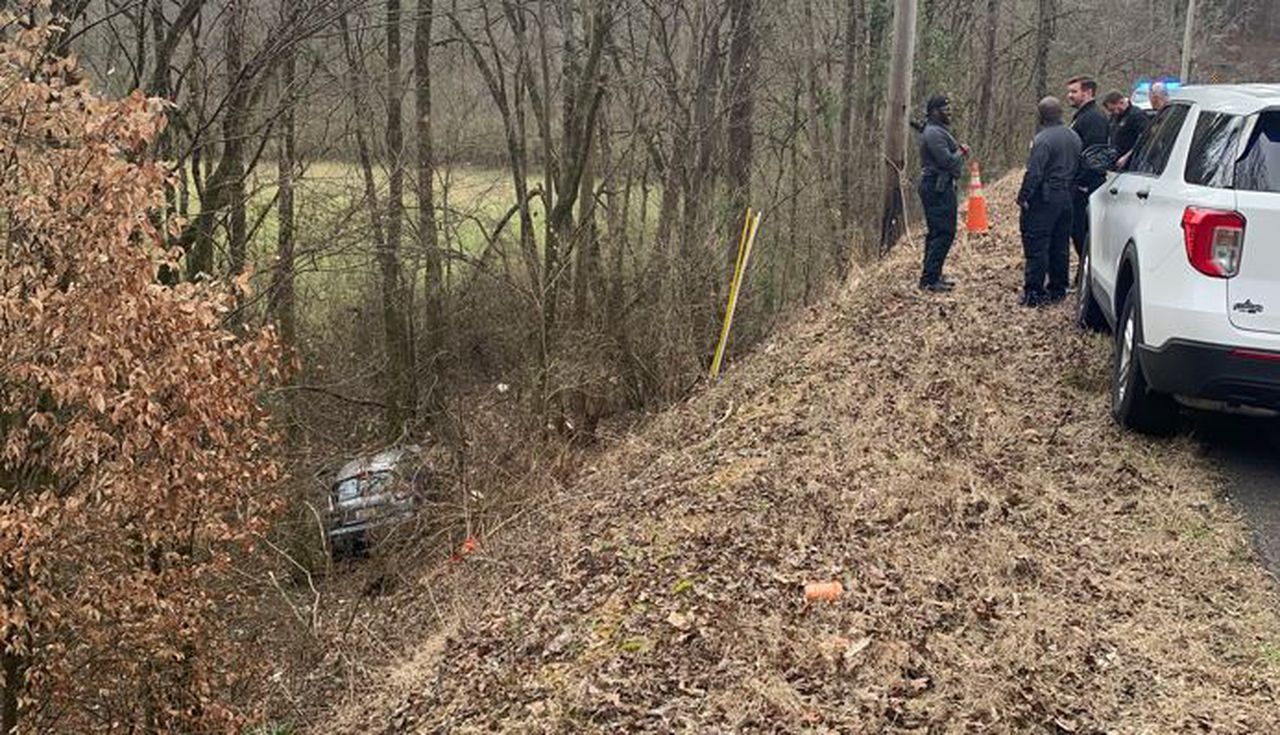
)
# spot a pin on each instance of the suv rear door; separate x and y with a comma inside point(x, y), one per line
point(1136, 202)
point(1253, 296)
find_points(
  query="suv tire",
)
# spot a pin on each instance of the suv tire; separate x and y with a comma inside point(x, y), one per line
point(1089, 315)
point(1133, 404)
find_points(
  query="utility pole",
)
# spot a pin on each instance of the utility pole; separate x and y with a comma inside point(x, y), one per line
point(1185, 76)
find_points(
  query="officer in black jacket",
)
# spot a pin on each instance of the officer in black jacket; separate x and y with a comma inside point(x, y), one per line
point(1127, 125)
point(1092, 127)
point(942, 161)
point(1046, 200)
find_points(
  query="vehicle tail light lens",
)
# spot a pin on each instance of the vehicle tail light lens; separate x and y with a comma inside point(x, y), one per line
point(1215, 240)
point(1256, 355)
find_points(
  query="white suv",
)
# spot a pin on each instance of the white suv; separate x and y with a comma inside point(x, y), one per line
point(1183, 260)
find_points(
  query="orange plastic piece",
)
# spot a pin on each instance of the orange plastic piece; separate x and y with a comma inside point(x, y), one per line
point(823, 591)
point(977, 218)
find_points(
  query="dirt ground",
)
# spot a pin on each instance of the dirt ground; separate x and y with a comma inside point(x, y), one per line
point(1011, 561)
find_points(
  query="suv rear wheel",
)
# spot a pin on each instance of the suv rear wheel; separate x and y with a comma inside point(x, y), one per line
point(1133, 404)
point(1088, 313)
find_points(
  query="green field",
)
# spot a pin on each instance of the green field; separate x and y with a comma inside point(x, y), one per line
point(335, 258)
point(334, 252)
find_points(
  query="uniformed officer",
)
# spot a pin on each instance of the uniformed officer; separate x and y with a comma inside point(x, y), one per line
point(1046, 201)
point(942, 159)
point(1127, 125)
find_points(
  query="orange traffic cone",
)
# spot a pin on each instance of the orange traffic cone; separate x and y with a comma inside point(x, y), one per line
point(977, 219)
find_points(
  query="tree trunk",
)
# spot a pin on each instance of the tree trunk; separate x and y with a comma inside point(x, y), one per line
point(11, 666)
point(16, 643)
point(895, 138)
point(586, 253)
point(616, 214)
point(187, 14)
point(982, 126)
point(428, 233)
point(742, 76)
point(233, 127)
point(355, 84)
point(1044, 38)
point(225, 188)
point(700, 175)
point(848, 92)
point(590, 131)
point(281, 302)
point(401, 377)
point(1187, 39)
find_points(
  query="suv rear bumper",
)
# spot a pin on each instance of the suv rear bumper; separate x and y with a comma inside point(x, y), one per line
point(1214, 373)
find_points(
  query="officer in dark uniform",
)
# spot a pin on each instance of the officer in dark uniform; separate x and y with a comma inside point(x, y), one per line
point(1092, 127)
point(942, 159)
point(1127, 125)
point(1046, 200)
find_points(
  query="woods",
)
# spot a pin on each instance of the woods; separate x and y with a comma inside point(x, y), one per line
point(615, 145)
point(246, 240)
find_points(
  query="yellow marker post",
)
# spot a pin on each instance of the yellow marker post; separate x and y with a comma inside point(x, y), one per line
point(745, 243)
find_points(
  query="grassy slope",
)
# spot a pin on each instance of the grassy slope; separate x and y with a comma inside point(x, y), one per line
point(1013, 562)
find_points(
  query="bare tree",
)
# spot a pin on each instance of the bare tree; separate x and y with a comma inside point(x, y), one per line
point(848, 98)
point(741, 84)
point(1187, 41)
point(986, 89)
point(234, 126)
point(281, 304)
point(1045, 21)
point(225, 188)
point(433, 326)
point(402, 391)
point(895, 135)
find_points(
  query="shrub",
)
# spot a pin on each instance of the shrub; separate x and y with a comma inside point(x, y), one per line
point(135, 453)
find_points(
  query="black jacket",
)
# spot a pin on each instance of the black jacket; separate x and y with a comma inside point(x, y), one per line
point(1051, 167)
point(1126, 128)
point(940, 156)
point(1091, 125)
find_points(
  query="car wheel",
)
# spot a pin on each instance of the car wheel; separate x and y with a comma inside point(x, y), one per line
point(349, 546)
point(1133, 404)
point(339, 548)
point(1088, 314)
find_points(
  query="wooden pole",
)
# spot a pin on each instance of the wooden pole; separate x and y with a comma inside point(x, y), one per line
point(1187, 35)
point(749, 230)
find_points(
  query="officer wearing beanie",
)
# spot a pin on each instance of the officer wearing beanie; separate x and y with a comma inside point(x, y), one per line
point(942, 160)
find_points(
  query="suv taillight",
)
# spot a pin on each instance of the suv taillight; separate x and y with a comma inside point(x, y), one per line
point(1215, 240)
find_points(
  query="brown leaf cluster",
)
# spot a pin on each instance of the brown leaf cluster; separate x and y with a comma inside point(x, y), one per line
point(135, 453)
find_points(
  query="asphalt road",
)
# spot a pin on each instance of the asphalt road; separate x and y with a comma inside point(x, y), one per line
point(1249, 451)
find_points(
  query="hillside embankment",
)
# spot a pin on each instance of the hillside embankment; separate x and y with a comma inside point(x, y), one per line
point(1012, 562)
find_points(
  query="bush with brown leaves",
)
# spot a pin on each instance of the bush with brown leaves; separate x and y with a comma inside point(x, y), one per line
point(135, 452)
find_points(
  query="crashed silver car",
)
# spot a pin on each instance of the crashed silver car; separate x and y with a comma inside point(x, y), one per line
point(373, 493)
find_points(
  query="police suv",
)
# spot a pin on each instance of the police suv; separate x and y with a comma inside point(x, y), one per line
point(1183, 260)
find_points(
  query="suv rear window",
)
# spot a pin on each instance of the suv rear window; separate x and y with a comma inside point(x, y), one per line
point(1259, 169)
point(1214, 145)
point(1152, 151)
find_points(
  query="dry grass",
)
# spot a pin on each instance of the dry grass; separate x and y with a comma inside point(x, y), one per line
point(1013, 562)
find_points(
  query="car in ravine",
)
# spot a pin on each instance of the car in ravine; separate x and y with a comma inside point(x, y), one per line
point(373, 495)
